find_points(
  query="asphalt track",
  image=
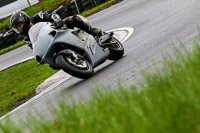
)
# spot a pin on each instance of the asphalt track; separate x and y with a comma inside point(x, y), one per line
point(159, 26)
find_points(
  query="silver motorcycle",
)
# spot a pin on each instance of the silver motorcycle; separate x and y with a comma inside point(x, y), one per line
point(72, 50)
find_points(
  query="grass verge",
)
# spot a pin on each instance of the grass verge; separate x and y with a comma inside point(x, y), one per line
point(100, 7)
point(19, 82)
point(168, 102)
point(27, 79)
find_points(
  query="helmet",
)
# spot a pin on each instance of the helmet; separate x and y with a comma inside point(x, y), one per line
point(20, 22)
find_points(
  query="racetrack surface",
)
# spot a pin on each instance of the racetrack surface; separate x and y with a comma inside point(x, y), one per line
point(15, 56)
point(158, 25)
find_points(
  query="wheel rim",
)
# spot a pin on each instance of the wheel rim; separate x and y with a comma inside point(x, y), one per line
point(81, 64)
point(77, 62)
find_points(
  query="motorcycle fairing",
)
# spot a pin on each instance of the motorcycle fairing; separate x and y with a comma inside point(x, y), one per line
point(48, 38)
point(85, 42)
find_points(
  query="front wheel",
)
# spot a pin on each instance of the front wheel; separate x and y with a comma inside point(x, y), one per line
point(77, 67)
point(116, 49)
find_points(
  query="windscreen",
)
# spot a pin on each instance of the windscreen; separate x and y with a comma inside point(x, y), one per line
point(35, 31)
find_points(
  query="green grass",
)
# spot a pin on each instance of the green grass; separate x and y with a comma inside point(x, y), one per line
point(44, 6)
point(16, 45)
point(5, 25)
point(168, 102)
point(97, 8)
point(19, 82)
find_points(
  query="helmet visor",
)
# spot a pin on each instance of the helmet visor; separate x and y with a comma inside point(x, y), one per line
point(18, 27)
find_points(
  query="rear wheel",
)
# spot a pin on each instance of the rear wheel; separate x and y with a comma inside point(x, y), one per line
point(116, 49)
point(75, 66)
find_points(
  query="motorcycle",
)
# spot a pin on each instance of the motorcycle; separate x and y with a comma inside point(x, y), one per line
point(72, 50)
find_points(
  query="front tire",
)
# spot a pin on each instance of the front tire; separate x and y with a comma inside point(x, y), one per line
point(82, 70)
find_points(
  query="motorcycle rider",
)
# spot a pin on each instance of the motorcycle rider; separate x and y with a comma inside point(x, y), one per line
point(21, 23)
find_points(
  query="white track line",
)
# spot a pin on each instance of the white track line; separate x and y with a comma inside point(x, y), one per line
point(129, 31)
point(22, 61)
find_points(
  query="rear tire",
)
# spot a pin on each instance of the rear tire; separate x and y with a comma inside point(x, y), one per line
point(116, 49)
point(84, 71)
